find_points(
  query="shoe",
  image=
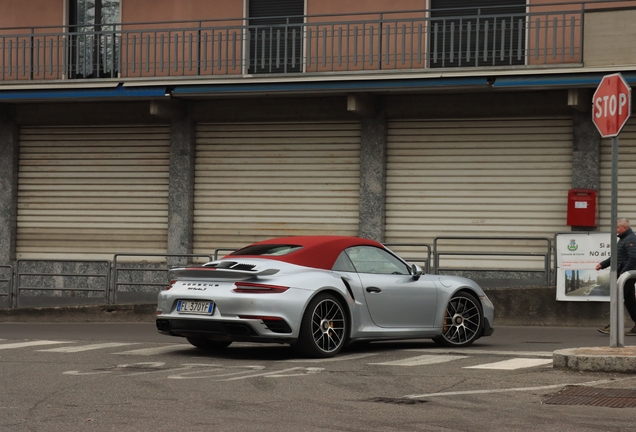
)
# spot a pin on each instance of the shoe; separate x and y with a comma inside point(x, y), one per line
point(605, 330)
point(631, 332)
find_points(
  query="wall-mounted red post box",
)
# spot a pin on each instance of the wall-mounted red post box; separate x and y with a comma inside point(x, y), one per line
point(582, 207)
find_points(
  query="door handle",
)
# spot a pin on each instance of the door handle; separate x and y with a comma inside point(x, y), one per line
point(373, 290)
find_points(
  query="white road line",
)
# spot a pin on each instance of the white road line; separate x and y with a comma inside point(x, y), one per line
point(156, 350)
point(421, 360)
point(506, 390)
point(513, 364)
point(332, 359)
point(75, 349)
point(471, 351)
point(30, 343)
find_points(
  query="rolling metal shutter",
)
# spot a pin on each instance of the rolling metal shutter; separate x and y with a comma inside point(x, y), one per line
point(91, 192)
point(626, 177)
point(259, 180)
point(477, 178)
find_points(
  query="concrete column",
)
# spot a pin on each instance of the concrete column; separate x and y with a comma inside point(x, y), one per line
point(373, 154)
point(9, 155)
point(586, 155)
point(181, 193)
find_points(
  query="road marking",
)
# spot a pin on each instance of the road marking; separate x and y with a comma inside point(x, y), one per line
point(156, 350)
point(506, 390)
point(513, 364)
point(332, 359)
point(421, 360)
point(75, 349)
point(30, 343)
point(471, 351)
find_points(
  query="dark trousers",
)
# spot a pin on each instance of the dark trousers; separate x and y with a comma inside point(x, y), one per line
point(629, 295)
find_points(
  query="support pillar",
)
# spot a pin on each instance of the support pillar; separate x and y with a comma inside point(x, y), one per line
point(373, 160)
point(9, 156)
point(586, 155)
point(181, 183)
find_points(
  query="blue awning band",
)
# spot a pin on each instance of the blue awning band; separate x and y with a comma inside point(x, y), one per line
point(353, 85)
point(119, 92)
point(560, 80)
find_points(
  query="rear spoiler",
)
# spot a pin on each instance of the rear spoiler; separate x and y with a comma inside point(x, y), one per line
point(201, 272)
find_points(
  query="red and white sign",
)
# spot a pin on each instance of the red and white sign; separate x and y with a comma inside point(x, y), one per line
point(612, 105)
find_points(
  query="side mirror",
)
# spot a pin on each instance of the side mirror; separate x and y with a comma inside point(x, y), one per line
point(416, 271)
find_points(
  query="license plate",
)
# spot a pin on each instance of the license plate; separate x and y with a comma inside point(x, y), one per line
point(195, 307)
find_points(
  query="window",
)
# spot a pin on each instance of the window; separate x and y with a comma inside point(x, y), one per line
point(369, 259)
point(94, 46)
point(267, 250)
point(275, 38)
point(477, 33)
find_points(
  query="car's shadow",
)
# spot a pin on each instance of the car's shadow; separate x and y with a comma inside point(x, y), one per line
point(280, 352)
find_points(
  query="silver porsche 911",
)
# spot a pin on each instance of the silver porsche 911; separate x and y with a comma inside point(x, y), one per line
point(319, 294)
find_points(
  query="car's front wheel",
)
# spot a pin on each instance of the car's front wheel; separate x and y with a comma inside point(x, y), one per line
point(463, 321)
point(323, 330)
point(208, 344)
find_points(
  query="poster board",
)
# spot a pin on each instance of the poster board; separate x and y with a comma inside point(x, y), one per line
point(577, 254)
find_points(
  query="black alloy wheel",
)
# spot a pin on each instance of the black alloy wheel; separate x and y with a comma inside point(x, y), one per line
point(463, 321)
point(324, 328)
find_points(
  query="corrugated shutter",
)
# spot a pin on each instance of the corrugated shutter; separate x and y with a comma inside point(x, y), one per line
point(626, 177)
point(91, 192)
point(274, 8)
point(259, 180)
point(477, 178)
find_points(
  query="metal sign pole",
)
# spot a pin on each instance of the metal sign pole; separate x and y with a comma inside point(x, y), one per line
point(617, 323)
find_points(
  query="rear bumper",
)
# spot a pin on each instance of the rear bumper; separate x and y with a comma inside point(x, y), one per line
point(224, 330)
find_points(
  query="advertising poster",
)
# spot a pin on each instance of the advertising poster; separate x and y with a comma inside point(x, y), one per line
point(577, 255)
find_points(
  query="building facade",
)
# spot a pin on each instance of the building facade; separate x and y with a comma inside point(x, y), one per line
point(188, 126)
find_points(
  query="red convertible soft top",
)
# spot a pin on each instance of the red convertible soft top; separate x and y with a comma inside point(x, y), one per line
point(316, 251)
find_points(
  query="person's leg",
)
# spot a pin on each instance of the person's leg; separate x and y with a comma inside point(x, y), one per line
point(629, 295)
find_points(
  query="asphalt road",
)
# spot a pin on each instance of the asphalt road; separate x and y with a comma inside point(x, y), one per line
point(126, 377)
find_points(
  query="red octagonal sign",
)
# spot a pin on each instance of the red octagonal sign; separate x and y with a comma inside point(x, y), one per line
point(612, 105)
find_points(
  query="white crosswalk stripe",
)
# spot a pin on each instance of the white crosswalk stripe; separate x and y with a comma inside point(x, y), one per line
point(421, 360)
point(30, 344)
point(80, 348)
point(433, 356)
point(157, 350)
point(513, 364)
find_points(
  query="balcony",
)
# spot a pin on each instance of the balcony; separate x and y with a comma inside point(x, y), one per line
point(433, 42)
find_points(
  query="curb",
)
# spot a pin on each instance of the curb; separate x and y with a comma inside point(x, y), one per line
point(597, 359)
point(86, 313)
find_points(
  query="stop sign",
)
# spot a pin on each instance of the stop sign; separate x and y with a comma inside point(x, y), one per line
point(612, 105)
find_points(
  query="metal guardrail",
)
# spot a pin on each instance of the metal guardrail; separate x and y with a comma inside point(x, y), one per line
point(44, 276)
point(224, 250)
point(112, 276)
point(112, 298)
point(545, 255)
point(418, 39)
point(427, 260)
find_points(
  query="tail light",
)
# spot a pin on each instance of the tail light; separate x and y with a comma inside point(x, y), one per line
point(257, 288)
point(172, 282)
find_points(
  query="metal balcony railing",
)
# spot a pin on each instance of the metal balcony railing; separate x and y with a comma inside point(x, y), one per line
point(408, 40)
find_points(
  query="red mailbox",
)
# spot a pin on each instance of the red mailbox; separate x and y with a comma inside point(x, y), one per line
point(582, 207)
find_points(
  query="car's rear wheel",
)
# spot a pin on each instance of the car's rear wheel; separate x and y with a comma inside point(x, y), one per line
point(463, 321)
point(323, 330)
point(208, 344)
